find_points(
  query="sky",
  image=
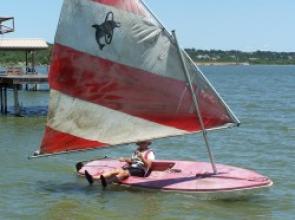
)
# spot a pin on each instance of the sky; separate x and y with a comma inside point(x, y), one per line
point(246, 25)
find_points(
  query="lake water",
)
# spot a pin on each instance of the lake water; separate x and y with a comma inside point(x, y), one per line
point(263, 98)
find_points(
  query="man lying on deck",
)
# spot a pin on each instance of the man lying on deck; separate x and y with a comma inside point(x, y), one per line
point(138, 165)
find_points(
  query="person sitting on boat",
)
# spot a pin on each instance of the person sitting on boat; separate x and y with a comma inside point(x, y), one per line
point(138, 165)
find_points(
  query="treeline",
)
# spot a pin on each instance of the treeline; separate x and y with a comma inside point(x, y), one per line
point(235, 56)
point(199, 56)
point(8, 58)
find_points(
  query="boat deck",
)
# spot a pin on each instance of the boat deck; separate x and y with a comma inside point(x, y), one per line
point(187, 176)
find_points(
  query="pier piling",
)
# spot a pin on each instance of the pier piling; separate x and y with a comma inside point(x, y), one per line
point(5, 100)
point(3, 95)
point(1, 100)
point(17, 109)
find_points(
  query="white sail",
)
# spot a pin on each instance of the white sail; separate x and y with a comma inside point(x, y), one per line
point(116, 77)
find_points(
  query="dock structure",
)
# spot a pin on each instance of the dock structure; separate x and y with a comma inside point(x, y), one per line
point(29, 46)
point(15, 77)
point(15, 83)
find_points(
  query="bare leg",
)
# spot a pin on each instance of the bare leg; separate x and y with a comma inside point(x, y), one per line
point(108, 174)
point(113, 173)
point(120, 175)
point(123, 175)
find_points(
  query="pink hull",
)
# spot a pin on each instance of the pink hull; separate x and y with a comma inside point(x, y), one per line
point(186, 176)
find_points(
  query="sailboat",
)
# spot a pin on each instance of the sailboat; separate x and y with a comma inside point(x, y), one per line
point(117, 77)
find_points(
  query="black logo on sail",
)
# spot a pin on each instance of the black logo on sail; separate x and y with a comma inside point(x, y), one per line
point(104, 32)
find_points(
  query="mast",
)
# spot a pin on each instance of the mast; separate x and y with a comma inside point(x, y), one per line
point(196, 103)
point(195, 100)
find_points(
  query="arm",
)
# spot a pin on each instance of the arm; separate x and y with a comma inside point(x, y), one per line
point(127, 160)
point(147, 162)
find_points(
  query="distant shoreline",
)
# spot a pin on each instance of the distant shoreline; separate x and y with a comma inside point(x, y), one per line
point(201, 57)
point(223, 64)
point(234, 57)
point(240, 64)
point(220, 64)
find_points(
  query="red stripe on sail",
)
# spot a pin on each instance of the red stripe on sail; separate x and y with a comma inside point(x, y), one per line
point(133, 6)
point(56, 141)
point(132, 91)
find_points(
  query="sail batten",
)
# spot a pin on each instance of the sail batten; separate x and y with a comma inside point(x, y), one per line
point(116, 78)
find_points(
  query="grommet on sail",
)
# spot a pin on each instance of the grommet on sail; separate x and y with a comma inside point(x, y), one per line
point(116, 78)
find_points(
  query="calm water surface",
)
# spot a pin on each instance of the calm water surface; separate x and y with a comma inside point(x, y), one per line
point(263, 98)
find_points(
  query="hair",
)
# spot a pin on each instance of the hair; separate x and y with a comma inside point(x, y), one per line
point(141, 142)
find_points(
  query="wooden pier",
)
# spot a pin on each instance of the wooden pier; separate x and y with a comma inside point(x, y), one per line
point(15, 77)
point(15, 83)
